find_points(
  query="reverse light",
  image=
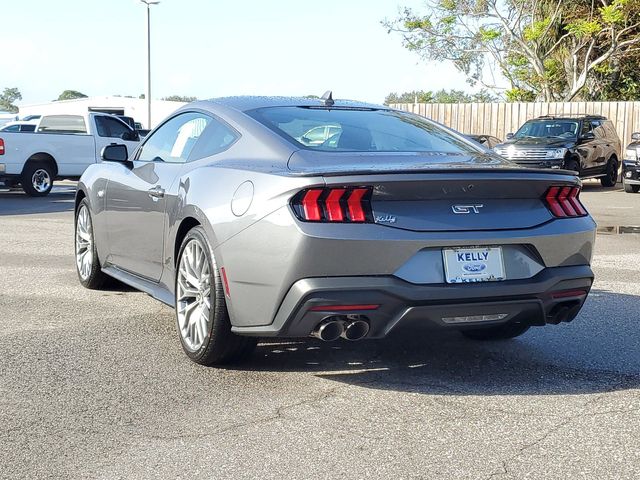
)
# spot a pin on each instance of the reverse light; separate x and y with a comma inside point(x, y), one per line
point(335, 205)
point(564, 202)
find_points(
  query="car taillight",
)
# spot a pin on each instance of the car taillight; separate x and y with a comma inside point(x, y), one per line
point(339, 204)
point(564, 202)
point(1, 146)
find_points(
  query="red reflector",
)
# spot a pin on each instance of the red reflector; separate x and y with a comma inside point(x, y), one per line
point(356, 211)
point(342, 308)
point(225, 282)
point(1, 146)
point(310, 206)
point(569, 293)
point(334, 210)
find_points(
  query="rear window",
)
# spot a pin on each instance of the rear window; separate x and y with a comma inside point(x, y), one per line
point(338, 129)
point(62, 124)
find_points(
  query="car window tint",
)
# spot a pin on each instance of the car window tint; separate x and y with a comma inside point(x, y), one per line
point(216, 138)
point(110, 127)
point(357, 129)
point(175, 139)
point(587, 127)
point(11, 128)
point(27, 128)
point(62, 124)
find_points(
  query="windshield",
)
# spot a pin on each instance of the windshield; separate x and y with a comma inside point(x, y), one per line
point(548, 128)
point(360, 130)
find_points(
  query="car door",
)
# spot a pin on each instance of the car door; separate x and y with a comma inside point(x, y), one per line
point(590, 148)
point(137, 195)
point(110, 130)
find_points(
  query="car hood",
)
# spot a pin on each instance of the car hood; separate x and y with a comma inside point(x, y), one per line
point(539, 142)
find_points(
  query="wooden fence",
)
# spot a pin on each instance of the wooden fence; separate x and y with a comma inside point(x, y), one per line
point(498, 119)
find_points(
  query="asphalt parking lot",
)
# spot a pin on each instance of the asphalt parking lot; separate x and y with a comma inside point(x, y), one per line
point(95, 385)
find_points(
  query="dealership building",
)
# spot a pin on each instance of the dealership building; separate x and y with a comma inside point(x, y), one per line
point(131, 107)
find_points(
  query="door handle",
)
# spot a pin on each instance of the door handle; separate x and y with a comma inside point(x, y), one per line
point(156, 192)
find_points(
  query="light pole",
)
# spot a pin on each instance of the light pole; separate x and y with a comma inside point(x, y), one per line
point(148, 92)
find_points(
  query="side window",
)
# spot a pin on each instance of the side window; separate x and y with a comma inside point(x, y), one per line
point(62, 124)
point(587, 127)
point(216, 138)
point(175, 139)
point(110, 127)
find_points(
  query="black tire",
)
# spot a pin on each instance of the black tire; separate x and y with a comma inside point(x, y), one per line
point(221, 345)
point(96, 278)
point(611, 174)
point(34, 174)
point(631, 188)
point(573, 165)
point(501, 332)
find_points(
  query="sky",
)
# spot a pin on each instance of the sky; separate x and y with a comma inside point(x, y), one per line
point(212, 48)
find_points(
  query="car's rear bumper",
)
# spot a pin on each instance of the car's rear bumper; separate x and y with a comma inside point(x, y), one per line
point(536, 301)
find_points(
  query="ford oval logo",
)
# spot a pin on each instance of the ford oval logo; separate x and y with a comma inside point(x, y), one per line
point(474, 267)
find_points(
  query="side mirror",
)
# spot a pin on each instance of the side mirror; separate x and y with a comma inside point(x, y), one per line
point(130, 136)
point(588, 136)
point(115, 153)
point(635, 136)
point(510, 136)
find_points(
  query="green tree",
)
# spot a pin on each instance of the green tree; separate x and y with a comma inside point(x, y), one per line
point(547, 49)
point(180, 98)
point(7, 99)
point(70, 95)
point(441, 96)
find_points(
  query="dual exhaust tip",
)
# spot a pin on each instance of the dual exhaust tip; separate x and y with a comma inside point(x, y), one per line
point(333, 328)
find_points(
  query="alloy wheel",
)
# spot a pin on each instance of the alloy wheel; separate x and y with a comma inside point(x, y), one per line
point(84, 243)
point(193, 295)
point(41, 180)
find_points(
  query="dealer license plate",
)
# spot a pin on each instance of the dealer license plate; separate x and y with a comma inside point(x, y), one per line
point(482, 264)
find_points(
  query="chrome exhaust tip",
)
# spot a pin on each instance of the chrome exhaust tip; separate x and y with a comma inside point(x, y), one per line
point(355, 330)
point(328, 331)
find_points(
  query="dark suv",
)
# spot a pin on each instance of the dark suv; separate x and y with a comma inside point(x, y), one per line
point(631, 165)
point(587, 144)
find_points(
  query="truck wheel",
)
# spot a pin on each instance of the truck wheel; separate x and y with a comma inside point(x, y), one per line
point(631, 188)
point(611, 174)
point(37, 179)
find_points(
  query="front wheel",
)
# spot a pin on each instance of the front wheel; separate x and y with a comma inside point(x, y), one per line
point(611, 174)
point(87, 264)
point(501, 332)
point(201, 311)
point(37, 179)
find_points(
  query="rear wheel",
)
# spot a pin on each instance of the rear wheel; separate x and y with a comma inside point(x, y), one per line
point(501, 332)
point(37, 179)
point(631, 188)
point(611, 174)
point(201, 311)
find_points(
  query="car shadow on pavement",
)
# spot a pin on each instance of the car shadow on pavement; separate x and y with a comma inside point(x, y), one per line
point(61, 199)
point(598, 352)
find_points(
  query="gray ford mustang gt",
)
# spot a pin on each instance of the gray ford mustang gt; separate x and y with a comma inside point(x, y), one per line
point(229, 214)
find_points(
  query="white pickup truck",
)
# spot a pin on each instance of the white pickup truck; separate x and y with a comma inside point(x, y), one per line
point(62, 147)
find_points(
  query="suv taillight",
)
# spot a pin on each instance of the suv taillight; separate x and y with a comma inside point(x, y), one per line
point(1, 146)
point(335, 204)
point(564, 202)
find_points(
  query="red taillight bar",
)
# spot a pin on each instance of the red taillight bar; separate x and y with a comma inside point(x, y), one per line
point(564, 202)
point(1, 146)
point(334, 204)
